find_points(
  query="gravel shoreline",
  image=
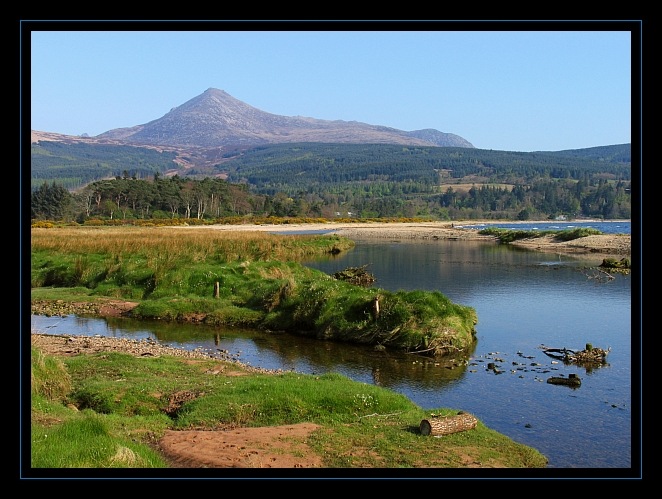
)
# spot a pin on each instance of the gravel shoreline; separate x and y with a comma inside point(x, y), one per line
point(69, 345)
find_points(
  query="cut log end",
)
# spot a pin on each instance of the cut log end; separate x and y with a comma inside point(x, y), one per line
point(448, 424)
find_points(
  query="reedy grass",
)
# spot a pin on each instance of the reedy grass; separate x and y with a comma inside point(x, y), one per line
point(49, 378)
point(119, 405)
point(174, 273)
point(63, 437)
point(160, 246)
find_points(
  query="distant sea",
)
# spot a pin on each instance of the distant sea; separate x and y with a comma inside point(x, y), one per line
point(609, 227)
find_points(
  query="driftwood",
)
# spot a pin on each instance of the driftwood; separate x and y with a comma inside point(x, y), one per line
point(590, 355)
point(355, 275)
point(612, 263)
point(448, 424)
point(572, 380)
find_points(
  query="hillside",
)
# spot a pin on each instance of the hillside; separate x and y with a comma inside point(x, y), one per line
point(76, 161)
point(297, 166)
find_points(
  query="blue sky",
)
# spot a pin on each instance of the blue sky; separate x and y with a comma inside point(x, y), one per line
point(528, 90)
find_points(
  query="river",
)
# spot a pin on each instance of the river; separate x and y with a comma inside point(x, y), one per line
point(524, 300)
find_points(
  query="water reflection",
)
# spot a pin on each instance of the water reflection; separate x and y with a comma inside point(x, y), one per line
point(459, 269)
point(284, 351)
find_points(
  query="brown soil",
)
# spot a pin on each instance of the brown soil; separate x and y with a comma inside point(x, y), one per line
point(604, 245)
point(267, 447)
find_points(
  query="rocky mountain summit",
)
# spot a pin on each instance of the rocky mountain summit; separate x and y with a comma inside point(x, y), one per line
point(216, 119)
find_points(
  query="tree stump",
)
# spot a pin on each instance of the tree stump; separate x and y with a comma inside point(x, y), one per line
point(375, 308)
point(448, 424)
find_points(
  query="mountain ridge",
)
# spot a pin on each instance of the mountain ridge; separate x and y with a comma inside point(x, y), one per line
point(216, 119)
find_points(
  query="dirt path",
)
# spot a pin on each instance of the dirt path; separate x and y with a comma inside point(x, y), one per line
point(265, 447)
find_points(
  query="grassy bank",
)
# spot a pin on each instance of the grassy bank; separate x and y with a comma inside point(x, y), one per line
point(241, 279)
point(109, 410)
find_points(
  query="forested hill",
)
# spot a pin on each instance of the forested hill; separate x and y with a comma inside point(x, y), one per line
point(331, 181)
point(73, 165)
point(613, 154)
point(293, 167)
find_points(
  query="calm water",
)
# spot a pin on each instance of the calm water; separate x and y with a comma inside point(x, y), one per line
point(524, 300)
point(613, 227)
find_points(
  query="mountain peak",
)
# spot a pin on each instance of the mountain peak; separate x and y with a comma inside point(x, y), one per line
point(215, 119)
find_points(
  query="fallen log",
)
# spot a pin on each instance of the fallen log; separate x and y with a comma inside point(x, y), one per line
point(448, 424)
point(572, 380)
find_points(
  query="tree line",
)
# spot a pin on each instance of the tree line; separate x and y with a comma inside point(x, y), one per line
point(127, 197)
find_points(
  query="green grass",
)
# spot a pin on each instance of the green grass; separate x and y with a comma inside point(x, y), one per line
point(107, 410)
point(509, 235)
point(88, 442)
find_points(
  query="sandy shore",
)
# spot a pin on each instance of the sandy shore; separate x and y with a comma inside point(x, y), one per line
point(606, 245)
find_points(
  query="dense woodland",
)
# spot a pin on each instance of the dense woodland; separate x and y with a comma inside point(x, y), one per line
point(331, 181)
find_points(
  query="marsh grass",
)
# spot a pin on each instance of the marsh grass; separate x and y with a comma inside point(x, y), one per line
point(49, 378)
point(161, 246)
point(243, 278)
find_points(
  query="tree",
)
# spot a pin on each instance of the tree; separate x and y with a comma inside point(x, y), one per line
point(51, 202)
point(525, 214)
